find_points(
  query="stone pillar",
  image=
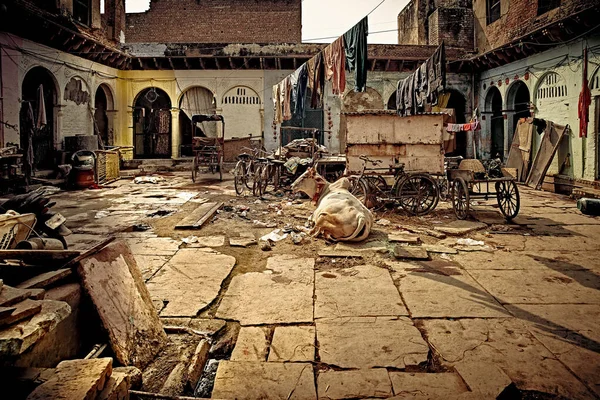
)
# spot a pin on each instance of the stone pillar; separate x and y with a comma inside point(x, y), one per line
point(58, 119)
point(175, 133)
point(113, 136)
point(470, 137)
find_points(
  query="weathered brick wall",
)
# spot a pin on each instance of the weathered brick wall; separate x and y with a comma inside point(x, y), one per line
point(217, 21)
point(518, 18)
point(411, 23)
point(114, 18)
point(453, 26)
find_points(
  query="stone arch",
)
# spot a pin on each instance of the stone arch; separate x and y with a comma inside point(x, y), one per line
point(44, 134)
point(109, 93)
point(549, 87)
point(458, 102)
point(242, 111)
point(518, 105)
point(370, 99)
point(195, 100)
point(104, 114)
point(494, 120)
point(152, 123)
point(391, 102)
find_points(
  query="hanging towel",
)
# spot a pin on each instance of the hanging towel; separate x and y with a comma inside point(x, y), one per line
point(300, 90)
point(287, 96)
point(316, 98)
point(335, 66)
point(277, 117)
point(355, 46)
point(41, 120)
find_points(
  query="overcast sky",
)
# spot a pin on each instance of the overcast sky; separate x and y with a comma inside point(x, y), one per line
point(326, 18)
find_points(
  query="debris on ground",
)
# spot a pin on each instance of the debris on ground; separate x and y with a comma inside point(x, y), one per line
point(469, 242)
point(265, 246)
point(148, 179)
point(383, 222)
point(275, 236)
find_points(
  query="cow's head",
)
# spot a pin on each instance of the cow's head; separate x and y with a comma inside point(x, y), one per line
point(310, 183)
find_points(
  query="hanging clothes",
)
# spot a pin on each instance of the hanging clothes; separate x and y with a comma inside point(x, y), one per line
point(334, 56)
point(421, 86)
point(41, 120)
point(277, 115)
point(287, 98)
point(436, 70)
point(318, 78)
point(300, 90)
point(585, 99)
point(27, 125)
point(310, 69)
point(355, 47)
point(400, 98)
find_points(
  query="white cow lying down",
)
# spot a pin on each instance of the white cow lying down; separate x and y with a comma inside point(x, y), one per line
point(339, 215)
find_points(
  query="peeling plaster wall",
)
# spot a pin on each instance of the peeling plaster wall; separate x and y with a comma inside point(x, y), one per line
point(561, 109)
point(69, 118)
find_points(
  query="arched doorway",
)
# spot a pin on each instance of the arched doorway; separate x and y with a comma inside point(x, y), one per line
point(241, 109)
point(195, 101)
point(518, 105)
point(152, 124)
point(39, 92)
point(391, 103)
point(458, 103)
point(103, 102)
point(493, 109)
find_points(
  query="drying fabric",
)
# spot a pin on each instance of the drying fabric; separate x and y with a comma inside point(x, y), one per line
point(277, 116)
point(355, 46)
point(300, 90)
point(27, 125)
point(287, 99)
point(162, 145)
point(585, 99)
point(335, 66)
point(421, 85)
point(316, 98)
point(454, 127)
point(294, 82)
point(41, 120)
point(525, 132)
point(399, 98)
point(310, 69)
point(409, 96)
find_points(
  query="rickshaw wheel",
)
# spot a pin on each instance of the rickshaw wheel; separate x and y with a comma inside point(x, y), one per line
point(194, 169)
point(418, 194)
point(509, 200)
point(358, 188)
point(239, 178)
point(460, 198)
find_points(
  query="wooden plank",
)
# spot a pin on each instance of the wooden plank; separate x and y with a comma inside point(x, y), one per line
point(6, 311)
point(24, 309)
point(199, 216)
point(553, 135)
point(89, 252)
point(10, 296)
point(44, 280)
point(39, 256)
point(114, 283)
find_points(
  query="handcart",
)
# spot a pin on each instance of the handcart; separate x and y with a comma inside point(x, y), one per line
point(469, 182)
point(208, 151)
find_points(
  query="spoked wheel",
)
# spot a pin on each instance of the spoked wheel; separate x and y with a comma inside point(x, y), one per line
point(359, 188)
point(249, 171)
point(460, 198)
point(257, 184)
point(376, 185)
point(507, 194)
point(194, 169)
point(418, 194)
point(239, 178)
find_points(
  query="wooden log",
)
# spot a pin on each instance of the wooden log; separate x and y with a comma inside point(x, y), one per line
point(39, 256)
point(199, 216)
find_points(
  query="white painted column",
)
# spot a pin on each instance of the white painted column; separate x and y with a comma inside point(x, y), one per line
point(175, 133)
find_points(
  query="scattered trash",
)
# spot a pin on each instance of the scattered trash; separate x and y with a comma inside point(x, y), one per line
point(383, 222)
point(280, 212)
point(470, 242)
point(244, 214)
point(190, 239)
point(161, 213)
point(148, 179)
point(258, 201)
point(297, 238)
point(102, 214)
point(141, 227)
point(264, 224)
point(445, 256)
point(265, 246)
point(274, 236)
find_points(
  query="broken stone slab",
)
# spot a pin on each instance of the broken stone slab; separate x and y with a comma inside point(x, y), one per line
point(340, 253)
point(462, 295)
point(150, 265)
point(208, 241)
point(281, 294)
point(459, 227)
point(44, 280)
point(116, 388)
point(178, 282)
point(373, 246)
point(10, 296)
point(153, 246)
point(410, 253)
point(21, 311)
point(403, 238)
point(485, 379)
point(293, 343)
point(260, 380)
point(18, 338)
point(357, 384)
point(75, 380)
point(242, 242)
point(335, 293)
point(427, 386)
point(197, 363)
point(439, 249)
point(209, 327)
point(369, 342)
point(507, 343)
point(134, 376)
point(251, 345)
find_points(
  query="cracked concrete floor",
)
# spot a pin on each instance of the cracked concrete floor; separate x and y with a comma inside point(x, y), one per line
point(518, 315)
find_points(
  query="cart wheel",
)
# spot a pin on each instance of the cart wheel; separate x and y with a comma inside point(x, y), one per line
point(460, 198)
point(376, 185)
point(239, 177)
point(194, 169)
point(359, 188)
point(418, 194)
point(507, 194)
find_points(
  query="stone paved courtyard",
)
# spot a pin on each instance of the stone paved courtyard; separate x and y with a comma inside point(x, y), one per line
point(516, 315)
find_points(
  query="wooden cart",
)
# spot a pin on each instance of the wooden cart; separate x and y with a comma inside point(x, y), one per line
point(466, 187)
point(208, 152)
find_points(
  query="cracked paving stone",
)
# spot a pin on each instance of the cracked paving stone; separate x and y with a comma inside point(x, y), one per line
point(293, 343)
point(458, 227)
point(251, 345)
point(497, 260)
point(336, 293)
point(149, 265)
point(264, 381)
point(153, 246)
point(356, 384)
point(456, 293)
point(409, 385)
point(282, 294)
point(508, 344)
point(208, 241)
point(190, 281)
point(369, 342)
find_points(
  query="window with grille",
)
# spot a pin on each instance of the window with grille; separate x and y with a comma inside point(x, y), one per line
point(493, 10)
point(553, 86)
point(241, 96)
point(546, 5)
point(82, 11)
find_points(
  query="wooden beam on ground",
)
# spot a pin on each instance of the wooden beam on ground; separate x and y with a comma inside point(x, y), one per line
point(199, 216)
point(42, 281)
point(39, 256)
point(92, 250)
